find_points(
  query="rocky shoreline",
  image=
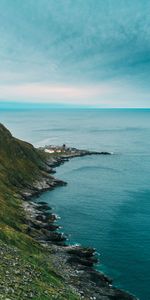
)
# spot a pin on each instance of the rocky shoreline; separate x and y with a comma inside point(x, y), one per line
point(73, 263)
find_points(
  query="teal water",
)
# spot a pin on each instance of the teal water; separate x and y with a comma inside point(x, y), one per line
point(106, 203)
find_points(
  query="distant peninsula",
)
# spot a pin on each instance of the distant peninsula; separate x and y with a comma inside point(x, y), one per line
point(36, 261)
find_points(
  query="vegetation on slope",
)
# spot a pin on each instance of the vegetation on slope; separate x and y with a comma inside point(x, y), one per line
point(26, 271)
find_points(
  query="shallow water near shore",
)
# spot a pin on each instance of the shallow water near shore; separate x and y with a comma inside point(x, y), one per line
point(106, 203)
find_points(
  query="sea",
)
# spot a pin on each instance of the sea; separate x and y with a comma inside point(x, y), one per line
point(106, 203)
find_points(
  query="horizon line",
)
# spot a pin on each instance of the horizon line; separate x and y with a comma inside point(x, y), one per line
point(16, 105)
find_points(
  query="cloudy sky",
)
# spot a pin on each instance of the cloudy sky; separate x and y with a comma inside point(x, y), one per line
point(88, 52)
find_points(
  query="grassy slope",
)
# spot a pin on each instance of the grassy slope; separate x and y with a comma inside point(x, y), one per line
point(20, 164)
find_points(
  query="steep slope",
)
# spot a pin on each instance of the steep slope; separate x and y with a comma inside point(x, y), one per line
point(20, 162)
point(25, 270)
point(36, 263)
point(20, 166)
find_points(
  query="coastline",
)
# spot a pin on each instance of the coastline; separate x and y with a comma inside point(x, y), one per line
point(73, 263)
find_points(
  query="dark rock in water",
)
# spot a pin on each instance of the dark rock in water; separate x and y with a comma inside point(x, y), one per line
point(82, 255)
point(42, 203)
point(99, 278)
point(81, 251)
point(40, 225)
point(89, 262)
point(51, 227)
point(120, 295)
point(84, 153)
point(54, 236)
point(105, 153)
point(50, 217)
point(43, 207)
point(58, 182)
point(46, 217)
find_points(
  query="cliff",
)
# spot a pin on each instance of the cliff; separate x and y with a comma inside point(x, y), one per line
point(25, 271)
point(36, 262)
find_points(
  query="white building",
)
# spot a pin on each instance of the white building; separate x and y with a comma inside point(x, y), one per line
point(49, 150)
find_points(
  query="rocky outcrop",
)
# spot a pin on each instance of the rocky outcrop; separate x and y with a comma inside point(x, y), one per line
point(55, 161)
point(73, 263)
point(41, 185)
point(26, 171)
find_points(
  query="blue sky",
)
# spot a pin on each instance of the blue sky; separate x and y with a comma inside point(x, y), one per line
point(88, 52)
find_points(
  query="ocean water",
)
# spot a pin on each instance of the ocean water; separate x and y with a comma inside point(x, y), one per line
point(106, 203)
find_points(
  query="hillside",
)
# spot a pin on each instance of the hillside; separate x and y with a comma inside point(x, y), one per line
point(25, 272)
point(36, 263)
point(20, 162)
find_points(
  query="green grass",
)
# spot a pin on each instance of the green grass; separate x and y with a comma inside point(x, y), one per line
point(20, 165)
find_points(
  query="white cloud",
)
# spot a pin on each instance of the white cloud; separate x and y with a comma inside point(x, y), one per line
point(48, 92)
point(109, 94)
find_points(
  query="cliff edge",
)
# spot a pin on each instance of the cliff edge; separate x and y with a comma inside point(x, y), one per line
point(36, 262)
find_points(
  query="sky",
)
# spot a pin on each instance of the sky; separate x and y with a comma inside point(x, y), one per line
point(77, 52)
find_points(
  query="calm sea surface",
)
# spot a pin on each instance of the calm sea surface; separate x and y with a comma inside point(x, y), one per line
point(106, 203)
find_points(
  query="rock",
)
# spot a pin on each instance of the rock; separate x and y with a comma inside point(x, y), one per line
point(26, 195)
point(82, 255)
point(40, 218)
point(54, 236)
point(51, 227)
point(46, 217)
point(43, 207)
point(42, 184)
point(42, 203)
point(99, 278)
point(73, 263)
point(81, 251)
point(89, 262)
